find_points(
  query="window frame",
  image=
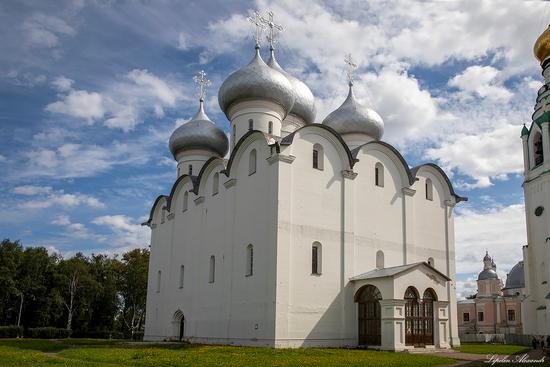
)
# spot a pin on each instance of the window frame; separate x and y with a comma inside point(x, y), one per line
point(182, 276)
point(316, 258)
point(252, 162)
point(212, 270)
point(379, 174)
point(249, 260)
point(429, 188)
point(465, 317)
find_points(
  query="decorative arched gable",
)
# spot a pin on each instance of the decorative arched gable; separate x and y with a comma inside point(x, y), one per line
point(244, 142)
point(160, 202)
point(442, 178)
point(211, 166)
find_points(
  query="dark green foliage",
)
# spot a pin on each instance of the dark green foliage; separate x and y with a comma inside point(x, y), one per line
point(48, 333)
point(11, 331)
point(95, 296)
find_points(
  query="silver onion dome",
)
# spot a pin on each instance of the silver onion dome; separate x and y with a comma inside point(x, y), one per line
point(304, 102)
point(487, 274)
point(256, 81)
point(199, 133)
point(353, 118)
point(516, 277)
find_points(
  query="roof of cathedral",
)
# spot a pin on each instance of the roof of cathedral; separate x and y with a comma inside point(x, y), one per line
point(524, 130)
point(354, 118)
point(487, 274)
point(199, 133)
point(516, 277)
point(394, 270)
point(541, 49)
point(256, 81)
point(304, 101)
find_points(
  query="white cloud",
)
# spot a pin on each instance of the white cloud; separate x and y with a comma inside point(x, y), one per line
point(2, 158)
point(481, 155)
point(481, 81)
point(128, 233)
point(44, 30)
point(183, 41)
point(63, 84)
point(80, 104)
point(501, 231)
point(74, 230)
point(466, 287)
point(48, 198)
point(154, 86)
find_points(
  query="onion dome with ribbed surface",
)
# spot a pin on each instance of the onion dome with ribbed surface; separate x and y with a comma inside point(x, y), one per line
point(199, 133)
point(256, 81)
point(304, 102)
point(353, 118)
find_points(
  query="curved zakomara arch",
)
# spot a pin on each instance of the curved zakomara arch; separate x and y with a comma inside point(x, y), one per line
point(407, 178)
point(435, 170)
point(360, 292)
point(329, 134)
point(205, 172)
point(206, 168)
point(178, 315)
point(161, 199)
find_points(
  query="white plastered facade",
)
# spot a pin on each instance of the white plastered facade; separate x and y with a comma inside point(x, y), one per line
point(282, 209)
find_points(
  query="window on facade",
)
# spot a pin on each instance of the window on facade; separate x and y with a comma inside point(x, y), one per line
point(429, 190)
point(185, 201)
point(511, 315)
point(466, 316)
point(252, 162)
point(538, 156)
point(234, 135)
point(163, 215)
point(190, 171)
point(270, 127)
point(318, 157)
point(543, 273)
point(179, 171)
point(215, 183)
point(182, 272)
point(159, 274)
point(431, 261)
point(249, 260)
point(250, 124)
point(212, 273)
point(379, 174)
point(316, 258)
point(480, 316)
point(379, 259)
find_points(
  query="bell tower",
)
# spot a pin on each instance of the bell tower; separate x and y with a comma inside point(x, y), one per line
point(536, 186)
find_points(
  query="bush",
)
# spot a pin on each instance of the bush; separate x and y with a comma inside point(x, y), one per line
point(48, 333)
point(138, 336)
point(98, 334)
point(11, 331)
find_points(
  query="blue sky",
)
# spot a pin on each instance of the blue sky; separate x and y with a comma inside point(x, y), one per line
point(91, 90)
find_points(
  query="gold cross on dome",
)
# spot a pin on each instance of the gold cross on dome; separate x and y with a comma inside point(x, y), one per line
point(256, 20)
point(202, 83)
point(351, 66)
point(273, 28)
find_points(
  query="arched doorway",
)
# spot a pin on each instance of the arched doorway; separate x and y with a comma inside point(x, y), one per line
point(368, 299)
point(428, 299)
point(419, 315)
point(179, 325)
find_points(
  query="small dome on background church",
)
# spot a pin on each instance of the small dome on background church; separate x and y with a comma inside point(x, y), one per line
point(354, 118)
point(489, 268)
point(304, 101)
point(542, 46)
point(256, 81)
point(199, 133)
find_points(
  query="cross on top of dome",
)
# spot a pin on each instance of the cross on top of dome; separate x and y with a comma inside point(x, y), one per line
point(350, 67)
point(259, 24)
point(202, 83)
point(273, 28)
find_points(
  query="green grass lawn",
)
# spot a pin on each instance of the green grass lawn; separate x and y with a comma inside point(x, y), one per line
point(493, 349)
point(89, 352)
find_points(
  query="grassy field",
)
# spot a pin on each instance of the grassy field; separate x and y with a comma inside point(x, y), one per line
point(493, 349)
point(90, 352)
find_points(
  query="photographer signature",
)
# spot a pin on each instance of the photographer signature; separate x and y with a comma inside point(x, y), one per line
point(523, 358)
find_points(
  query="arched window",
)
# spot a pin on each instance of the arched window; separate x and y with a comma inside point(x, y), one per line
point(252, 162)
point(538, 156)
point(318, 156)
point(379, 259)
point(379, 174)
point(179, 171)
point(163, 215)
point(543, 273)
point(190, 172)
point(429, 190)
point(431, 262)
point(316, 258)
point(270, 127)
point(212, 273)
point(159, 274)
point(182, 271)
point(234, 135)
point(215, 183)
point(185, 200)
point(250, 124)
point(249, 260)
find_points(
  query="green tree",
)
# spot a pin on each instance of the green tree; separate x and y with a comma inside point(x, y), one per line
point(10, 257)
point(133, 289)
point(105, 301)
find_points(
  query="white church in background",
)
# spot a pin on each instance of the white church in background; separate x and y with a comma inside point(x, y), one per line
point(310, 234)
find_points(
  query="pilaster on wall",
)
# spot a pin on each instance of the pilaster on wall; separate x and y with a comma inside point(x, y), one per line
point(348, 315)
point(452, 325)
point(546, 144)
point(524, 141)
point(393, 324)
point(441, 326)
point(408, 221)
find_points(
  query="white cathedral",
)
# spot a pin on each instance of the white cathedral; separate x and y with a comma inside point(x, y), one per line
point(310, 234)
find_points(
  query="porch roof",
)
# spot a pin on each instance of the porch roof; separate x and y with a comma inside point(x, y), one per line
point(396, 270)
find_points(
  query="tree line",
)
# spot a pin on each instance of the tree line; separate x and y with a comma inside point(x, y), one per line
point(94, 296)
